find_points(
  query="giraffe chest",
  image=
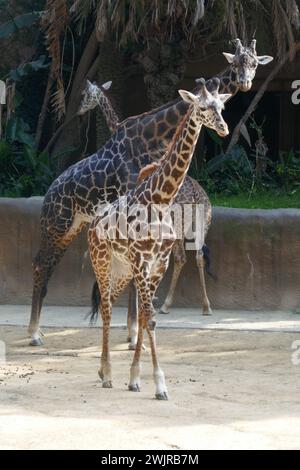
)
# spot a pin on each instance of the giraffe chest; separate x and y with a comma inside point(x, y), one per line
point(134, 233)
point(120, 264)
point(133, 254)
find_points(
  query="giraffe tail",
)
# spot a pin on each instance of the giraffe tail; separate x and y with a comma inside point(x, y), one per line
point(206, 256)
point(96, 298)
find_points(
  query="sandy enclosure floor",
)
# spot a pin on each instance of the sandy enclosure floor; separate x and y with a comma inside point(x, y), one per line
point(228, 389)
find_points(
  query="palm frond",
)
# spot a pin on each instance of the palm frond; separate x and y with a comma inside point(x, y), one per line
point(293, 13)
point(230, 18)
point(283, 30)
point(54, 24)
point(148, 20)
point(82, 9)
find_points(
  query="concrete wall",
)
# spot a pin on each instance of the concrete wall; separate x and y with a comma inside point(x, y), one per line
point(255, 256)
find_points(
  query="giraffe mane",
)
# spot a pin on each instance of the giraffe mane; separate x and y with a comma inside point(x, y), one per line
point(112, 103)
point(177, 133)
point(147, 171)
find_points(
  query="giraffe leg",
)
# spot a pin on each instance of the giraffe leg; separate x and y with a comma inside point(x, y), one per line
point(101, 262)
point(135, 370)
point(57, 234)
point(159, 377)
point(161, 392)
point(105, 367)
point(201, 266)
point(143, 282)
point(132, 316)
point(179, 262)
point(43, 267)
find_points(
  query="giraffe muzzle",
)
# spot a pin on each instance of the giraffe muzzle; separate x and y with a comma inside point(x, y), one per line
point(223, 131)
point(246, 85)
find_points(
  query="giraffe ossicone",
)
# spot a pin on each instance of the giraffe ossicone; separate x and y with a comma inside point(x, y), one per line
point(244, 63)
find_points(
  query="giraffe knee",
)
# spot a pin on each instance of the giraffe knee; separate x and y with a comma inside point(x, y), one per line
point(151, 324)
point(180, 260)
point(200, 261)
point(37, 269)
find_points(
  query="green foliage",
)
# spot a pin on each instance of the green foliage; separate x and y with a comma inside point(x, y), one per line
point(232, 178)
point(261, 200)
point(18, 131)
point(25, 20)
point(28, 68)
point(24, 171)
point(228, 173)
point(287, 170)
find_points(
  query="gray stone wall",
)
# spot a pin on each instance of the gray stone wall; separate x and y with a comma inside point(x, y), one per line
point(255, 255)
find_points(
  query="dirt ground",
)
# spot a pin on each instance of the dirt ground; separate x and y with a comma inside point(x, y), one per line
point(228, 389)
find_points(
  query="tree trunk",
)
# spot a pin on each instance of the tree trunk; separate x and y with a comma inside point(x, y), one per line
point(110, 68)
point(163, 68)
point(43, 113)
point(70, 133)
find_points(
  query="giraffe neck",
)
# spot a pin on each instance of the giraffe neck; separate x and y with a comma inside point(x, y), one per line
point(163, 185)
point(228, 82)
point(227, 78)
point(111, 117)
point(154, 131)
point(156, 128)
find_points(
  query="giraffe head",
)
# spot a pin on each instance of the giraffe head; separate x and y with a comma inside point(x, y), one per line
point(208, 106)
point(244, 63)
point(91, 96)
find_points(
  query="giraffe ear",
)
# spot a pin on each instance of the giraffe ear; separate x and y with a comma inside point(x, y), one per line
point(107, 85)
point(187, 96)
point(229, 57)
point(264, 59)
point(225, 97)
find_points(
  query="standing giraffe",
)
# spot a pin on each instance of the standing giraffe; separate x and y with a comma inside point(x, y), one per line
point(119, 254)
point(74, 197)
point(190, 193)
point(93, 96)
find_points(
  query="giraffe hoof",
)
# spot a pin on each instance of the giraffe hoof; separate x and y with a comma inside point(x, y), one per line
point(161, 311)
point(162, 396)
point(107, 384)
point(36, 342)
point(100, 373)
point(207, 312)
point(134, 388)
point(132, 347)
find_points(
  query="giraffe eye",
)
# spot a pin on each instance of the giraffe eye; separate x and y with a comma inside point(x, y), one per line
point(202, 109)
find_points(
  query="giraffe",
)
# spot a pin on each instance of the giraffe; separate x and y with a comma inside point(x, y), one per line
point(72, 200)
point(191, 192)
point(118, 254)
point(93, 95)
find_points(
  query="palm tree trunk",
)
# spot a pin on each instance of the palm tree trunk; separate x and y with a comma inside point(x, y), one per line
point(70, 134)
point(43, 113)
point(110, 67)
point(163, 68)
